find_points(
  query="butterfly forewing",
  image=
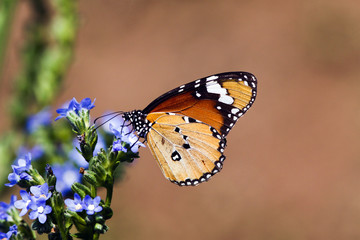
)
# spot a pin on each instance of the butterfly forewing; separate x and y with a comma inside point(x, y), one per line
point(218, 100)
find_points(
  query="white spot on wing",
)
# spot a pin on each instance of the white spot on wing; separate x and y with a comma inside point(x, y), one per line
point(216, 88)
point(212, 78)
point(234, 110)
point(226, 99)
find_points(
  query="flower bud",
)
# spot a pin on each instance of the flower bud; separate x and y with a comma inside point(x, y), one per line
point(90, 177)
point(99, 171)
point(101, 228)
point(107, 213)
point(81, 189)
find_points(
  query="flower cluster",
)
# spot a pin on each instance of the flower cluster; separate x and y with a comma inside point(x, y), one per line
point(20, 171)
point(35, 202)
point(43, 191)
point(91, 206)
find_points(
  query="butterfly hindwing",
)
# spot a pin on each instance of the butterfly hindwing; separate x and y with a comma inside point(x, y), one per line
point(188, 151)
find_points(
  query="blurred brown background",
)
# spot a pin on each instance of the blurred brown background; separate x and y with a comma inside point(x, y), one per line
point(293, 161)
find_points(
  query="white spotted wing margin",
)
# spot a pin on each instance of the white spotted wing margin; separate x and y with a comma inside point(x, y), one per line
point(188, 151)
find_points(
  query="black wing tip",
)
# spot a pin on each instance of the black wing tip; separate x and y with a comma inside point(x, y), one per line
point(247, 77)
point(205, 177)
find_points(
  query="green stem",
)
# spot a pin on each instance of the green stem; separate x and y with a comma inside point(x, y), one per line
point(7, 12)
point(60, 225)
point(57, 204)
point(93, 190)
point(62, 231)
point(96, 236)
point(109, 193)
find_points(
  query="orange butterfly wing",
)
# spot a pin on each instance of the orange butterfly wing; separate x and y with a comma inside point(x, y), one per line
point(188, 125)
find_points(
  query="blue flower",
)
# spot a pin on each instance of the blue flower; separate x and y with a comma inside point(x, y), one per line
point(12, 230)
point(41, 191)
point(75, 205)
point(75, 107)
point(91, 205)
point(134, 142)
point(19, 171)
point(4, 209)
point(121, 131)
point(3, 236)
point(114, 121)
point(87, 104)
point(37, 202)
point(39, 210)
point(13, 178)
point(125, 134)
point(23, 164)
point(118, 147)
point(66, 174)
point(42, 118)
point(24, 203)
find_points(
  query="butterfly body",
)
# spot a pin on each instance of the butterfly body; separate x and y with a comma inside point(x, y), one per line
point(186, 127)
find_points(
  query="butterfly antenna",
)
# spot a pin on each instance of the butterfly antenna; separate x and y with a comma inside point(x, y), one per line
point(122, 127)
point(109, 114)
point(116, 114)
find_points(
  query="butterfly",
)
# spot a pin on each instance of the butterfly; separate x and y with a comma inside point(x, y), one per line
point(186, 128)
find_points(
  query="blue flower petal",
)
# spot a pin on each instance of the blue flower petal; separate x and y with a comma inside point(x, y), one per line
point(33, 214)
point(97, 200)
point(86, 103)
point(98, 209)
point(47, 209)
point(35, 190)
point(42, 218)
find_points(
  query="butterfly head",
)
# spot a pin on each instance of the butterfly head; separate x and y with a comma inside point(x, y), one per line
point(139, 122)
